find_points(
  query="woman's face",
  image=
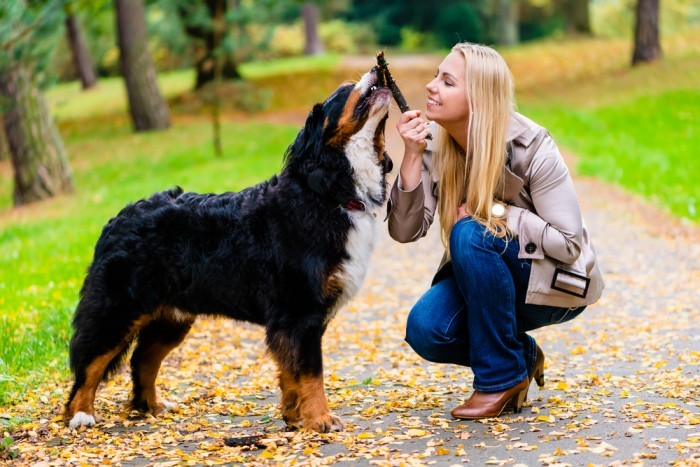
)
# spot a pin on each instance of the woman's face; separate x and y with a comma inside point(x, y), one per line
point(447, 98)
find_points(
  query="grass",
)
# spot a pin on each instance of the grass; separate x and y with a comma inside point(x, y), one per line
point(69, 102)
point(635, 127)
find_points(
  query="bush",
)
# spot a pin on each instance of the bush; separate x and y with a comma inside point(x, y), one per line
point(458, 23)
point(338, 37)
point(412, 40)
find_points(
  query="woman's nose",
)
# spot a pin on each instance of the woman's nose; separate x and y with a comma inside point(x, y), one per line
point(430, 87)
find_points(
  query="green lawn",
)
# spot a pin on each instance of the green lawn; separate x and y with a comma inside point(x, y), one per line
point(636, 128)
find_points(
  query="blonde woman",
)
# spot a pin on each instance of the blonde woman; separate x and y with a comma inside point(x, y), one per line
point(518, 255)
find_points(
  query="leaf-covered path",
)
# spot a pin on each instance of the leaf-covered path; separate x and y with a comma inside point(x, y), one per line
point(622, 380)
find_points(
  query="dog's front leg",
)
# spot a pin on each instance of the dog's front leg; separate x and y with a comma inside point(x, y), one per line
point(301, 380)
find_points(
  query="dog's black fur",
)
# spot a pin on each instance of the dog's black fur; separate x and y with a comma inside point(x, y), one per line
point(273, 254)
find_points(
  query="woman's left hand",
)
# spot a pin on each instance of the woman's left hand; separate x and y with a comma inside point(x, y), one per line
point(462, 212)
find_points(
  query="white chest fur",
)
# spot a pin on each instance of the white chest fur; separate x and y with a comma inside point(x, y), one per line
point(360, 243)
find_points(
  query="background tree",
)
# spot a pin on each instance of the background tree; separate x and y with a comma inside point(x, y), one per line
point(36, 149)
point(577, 16)
point(79, 51)
point(146, 104)
point(311, 14)
point(647, 46)
point(507, 13)
point(198, 22)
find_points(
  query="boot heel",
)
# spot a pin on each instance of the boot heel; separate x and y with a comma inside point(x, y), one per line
point(518, 400)
point(539, 376)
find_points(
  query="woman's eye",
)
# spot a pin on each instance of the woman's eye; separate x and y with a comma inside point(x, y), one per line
point(447, 83)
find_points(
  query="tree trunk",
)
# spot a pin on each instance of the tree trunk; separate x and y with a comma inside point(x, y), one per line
point(81, 55)
point(310, 13)
point(4, 150)
point(576, 14)
point(36, 149)
point(147, 106)
point(507, 14)
point(647, 46)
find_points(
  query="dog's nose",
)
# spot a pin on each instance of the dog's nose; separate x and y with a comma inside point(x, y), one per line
point(388, 164)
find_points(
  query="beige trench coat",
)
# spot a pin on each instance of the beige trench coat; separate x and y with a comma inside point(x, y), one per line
point(542, 211)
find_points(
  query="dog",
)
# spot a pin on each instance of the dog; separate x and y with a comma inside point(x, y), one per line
point(285, 254)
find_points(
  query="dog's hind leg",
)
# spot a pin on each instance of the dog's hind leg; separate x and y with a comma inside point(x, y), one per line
point(155, 341)
point(94, 355)
point(289, 405)
point(298, 354)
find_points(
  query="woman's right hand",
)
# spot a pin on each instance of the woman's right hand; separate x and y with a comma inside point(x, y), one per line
point(413, 130)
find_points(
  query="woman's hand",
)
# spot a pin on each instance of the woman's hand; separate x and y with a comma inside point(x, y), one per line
point(413, 130)
point(462, 212)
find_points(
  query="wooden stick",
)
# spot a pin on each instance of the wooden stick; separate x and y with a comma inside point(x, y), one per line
point(384, 78)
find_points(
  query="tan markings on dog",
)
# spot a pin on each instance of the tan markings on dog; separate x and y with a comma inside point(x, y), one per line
point(289, 405)
point(379, 144)
point(332, 286)
point(346, 126)
point(84, 398)
point(148, 371)
point(313, 404)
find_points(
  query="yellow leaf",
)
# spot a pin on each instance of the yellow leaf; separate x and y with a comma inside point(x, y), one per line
point(415, 433)
point(266, 454)
point(365, 435)
point(546, 418)
point(561, 385)
point(442, 451)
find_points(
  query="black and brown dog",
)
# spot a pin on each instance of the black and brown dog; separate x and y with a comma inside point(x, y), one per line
point(285, 254)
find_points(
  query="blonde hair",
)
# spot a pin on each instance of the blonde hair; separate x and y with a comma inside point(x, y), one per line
point(472, 175)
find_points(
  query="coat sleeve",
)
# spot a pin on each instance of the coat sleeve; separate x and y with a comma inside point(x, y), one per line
point(555, 229)
point(410, 213)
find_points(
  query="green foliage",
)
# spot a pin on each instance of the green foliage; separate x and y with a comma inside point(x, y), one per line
point(7, 448)
point(458, 23)
point(28, 33)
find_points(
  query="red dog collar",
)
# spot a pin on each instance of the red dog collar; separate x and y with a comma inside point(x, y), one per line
point(356, 205)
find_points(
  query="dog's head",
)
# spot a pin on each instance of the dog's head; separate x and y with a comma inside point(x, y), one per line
point(340, 151)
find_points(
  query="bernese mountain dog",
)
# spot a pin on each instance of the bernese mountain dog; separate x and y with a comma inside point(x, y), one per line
point(285, 254)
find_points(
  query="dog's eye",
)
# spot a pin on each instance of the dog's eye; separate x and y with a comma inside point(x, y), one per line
point(373, 88)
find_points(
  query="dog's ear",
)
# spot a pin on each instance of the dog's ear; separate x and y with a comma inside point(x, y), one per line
point(310, 139)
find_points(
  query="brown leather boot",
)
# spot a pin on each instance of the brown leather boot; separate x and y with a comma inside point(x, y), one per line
point(491, 404)
point(537, 373)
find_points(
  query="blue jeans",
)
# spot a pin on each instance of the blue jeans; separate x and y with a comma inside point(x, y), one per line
point(477, 316)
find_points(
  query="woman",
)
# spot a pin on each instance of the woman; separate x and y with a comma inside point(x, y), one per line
point(518, 256)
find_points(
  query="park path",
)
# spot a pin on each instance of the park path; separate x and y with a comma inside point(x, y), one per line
point(622, 385)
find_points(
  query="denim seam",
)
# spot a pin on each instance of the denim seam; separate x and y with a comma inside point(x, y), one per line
point(447, 328)
point(566, 313)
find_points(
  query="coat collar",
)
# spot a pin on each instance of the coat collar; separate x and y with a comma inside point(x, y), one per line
point(510, 184)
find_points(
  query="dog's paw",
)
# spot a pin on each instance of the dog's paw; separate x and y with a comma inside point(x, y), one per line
point(81, 419)
point(325, 423)
point(149, 407)
point(161, 407)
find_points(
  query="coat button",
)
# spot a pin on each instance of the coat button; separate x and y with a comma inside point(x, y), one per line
point(530, 248)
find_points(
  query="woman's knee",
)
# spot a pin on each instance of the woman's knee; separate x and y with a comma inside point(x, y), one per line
point(466, 234)
point(430, 342)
